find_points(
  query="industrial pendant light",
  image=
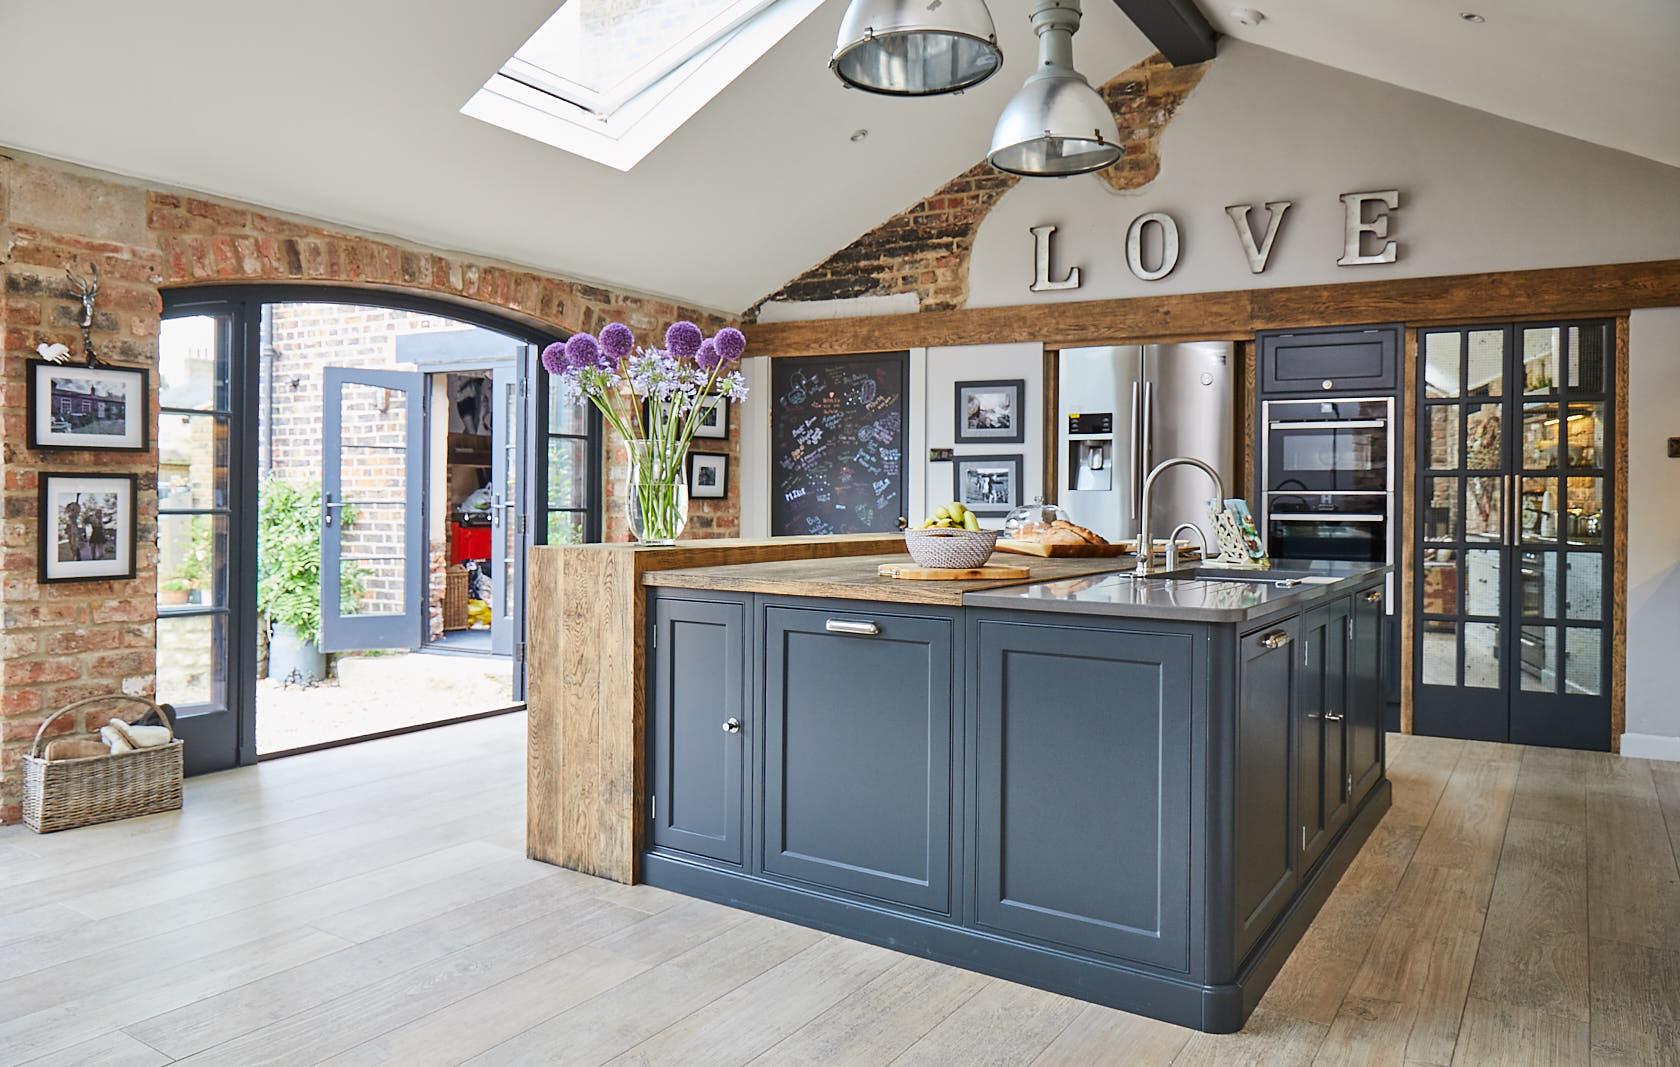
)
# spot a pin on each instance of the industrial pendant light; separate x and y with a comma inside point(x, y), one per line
point(1056, 125)
point(916, 48)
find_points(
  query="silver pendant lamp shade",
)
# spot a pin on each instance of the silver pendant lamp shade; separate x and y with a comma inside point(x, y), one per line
point(916, 47)
point(1056, 125)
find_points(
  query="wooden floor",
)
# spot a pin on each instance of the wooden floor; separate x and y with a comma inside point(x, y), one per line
point(372, 904)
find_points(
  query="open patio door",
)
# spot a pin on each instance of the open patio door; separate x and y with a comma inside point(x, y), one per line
point(373, 543)
point(507, 511)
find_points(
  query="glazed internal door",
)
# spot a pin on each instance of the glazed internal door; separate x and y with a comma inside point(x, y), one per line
point(373, 547)
point(1513, 534)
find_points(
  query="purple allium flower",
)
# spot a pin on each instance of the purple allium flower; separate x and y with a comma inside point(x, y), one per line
point(730, 344)
point(617, 341)
point(554, 358)
point(582, 350)
point(707, 357)
point(683, 339)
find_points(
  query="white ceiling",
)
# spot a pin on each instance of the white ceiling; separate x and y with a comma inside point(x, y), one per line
point(1605, 71)
point(349, 112)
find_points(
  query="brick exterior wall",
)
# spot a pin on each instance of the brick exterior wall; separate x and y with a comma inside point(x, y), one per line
point(925, 248)
point(64, 641)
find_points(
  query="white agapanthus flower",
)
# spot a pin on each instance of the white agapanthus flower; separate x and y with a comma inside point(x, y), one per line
point(53, 353)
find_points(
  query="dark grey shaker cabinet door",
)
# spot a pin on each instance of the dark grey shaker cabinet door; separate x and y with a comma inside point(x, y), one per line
point(1364, 358)
point(1082, 788)
point(858, 758)
point(1321, 787)
point(1264, 871)
point(1365, 691)
point(699, 682)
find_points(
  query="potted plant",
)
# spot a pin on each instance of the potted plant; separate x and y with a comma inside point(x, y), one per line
point(289, 578)
point(191, 573)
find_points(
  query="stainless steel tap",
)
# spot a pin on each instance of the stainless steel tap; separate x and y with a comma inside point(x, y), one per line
point(1172, 543)
point(1146, 528)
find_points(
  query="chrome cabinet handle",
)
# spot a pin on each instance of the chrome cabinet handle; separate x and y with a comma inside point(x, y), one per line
point(1373, 596)
point(732, 726)
point(847, 626)
point(1331, 716)
point(1275, 639)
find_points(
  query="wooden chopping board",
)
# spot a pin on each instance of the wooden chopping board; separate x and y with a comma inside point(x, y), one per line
point(989, 572)
point(1033, 548)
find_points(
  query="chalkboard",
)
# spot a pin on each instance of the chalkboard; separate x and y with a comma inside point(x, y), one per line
point(837, 444)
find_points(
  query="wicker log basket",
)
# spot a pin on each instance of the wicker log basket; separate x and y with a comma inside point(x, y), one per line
point(65, 794)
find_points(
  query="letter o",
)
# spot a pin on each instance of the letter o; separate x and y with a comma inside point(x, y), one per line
point(1169, 245)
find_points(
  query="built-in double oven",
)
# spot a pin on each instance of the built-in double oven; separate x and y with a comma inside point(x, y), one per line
point(1328, 468)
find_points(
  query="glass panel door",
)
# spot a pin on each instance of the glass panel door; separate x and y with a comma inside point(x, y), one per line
point(1513, 483)
point(373, 545)
point(505, 510)
point(198, 672)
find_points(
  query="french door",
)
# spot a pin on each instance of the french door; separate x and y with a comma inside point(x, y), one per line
point(373, 530)
point(1515, 467)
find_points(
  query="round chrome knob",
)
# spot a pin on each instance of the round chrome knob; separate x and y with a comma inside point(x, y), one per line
point(732, 726)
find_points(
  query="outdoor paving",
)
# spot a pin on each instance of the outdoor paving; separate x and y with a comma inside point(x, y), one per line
point(375, 693)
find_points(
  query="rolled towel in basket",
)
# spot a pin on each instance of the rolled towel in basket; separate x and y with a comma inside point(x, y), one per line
point(123, 737)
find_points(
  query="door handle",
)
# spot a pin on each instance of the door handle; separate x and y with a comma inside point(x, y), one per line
point(1275, 639)
point(847, 626)
point(327, 506)
point(732, 726)
point(1331, 716)
point(496, 506)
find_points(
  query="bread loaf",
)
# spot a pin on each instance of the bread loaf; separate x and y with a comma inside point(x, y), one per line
point(1081, 532)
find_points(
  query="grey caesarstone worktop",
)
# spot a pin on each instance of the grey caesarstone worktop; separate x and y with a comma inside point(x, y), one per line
point(1188, 599)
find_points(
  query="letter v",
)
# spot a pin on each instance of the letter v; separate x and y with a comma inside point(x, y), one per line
point(1257, 257)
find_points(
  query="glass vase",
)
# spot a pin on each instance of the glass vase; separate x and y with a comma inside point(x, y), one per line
point(657, 501)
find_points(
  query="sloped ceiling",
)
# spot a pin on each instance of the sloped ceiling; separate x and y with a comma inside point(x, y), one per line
point(1604, 71)
point(349, 112)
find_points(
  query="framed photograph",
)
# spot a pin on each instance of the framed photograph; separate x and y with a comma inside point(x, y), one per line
point(991, 412)
point(99, 409)
point(708, 476)
point(988, 485)
point(87, 527)
point(715, 420)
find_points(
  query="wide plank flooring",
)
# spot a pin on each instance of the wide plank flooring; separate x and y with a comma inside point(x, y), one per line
point(372, 905)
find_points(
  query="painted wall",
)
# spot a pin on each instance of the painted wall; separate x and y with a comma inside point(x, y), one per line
point(943, 369)
point(1477, 192)
point(1653, 565)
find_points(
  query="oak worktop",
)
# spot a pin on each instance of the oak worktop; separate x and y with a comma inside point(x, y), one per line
point(855, 577)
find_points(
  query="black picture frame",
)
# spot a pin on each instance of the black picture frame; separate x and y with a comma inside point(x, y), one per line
point(972, 501)
point(1015, 433)
point(51, 415)
point(719, 489)
point(119, 566)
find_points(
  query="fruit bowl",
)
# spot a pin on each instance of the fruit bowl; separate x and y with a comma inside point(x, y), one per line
point(946, 548)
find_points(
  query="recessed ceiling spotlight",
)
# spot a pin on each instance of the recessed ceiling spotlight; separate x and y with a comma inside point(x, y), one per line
point(1471, 16)
point(858, 135)
point(1247, 16)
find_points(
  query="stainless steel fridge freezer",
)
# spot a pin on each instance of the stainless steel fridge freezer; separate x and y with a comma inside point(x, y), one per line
point(1125, 408)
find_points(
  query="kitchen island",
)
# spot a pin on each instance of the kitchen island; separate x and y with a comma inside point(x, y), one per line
point(1137, 792)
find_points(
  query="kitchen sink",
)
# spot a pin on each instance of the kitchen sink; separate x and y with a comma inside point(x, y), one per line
point(1252, 575)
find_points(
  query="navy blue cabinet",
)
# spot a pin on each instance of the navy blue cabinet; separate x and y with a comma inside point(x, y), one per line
point(1082, 788)
point(858, 753)
point(1322, 785)
point(1263, 838)
point(1362, 360)
point(1366, 680)
point(700, 726)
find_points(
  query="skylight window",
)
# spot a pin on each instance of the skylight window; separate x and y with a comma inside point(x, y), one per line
point(611, 79)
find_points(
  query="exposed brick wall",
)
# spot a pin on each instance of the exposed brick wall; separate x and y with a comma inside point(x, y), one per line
point(64, 641)
point(925, 248)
